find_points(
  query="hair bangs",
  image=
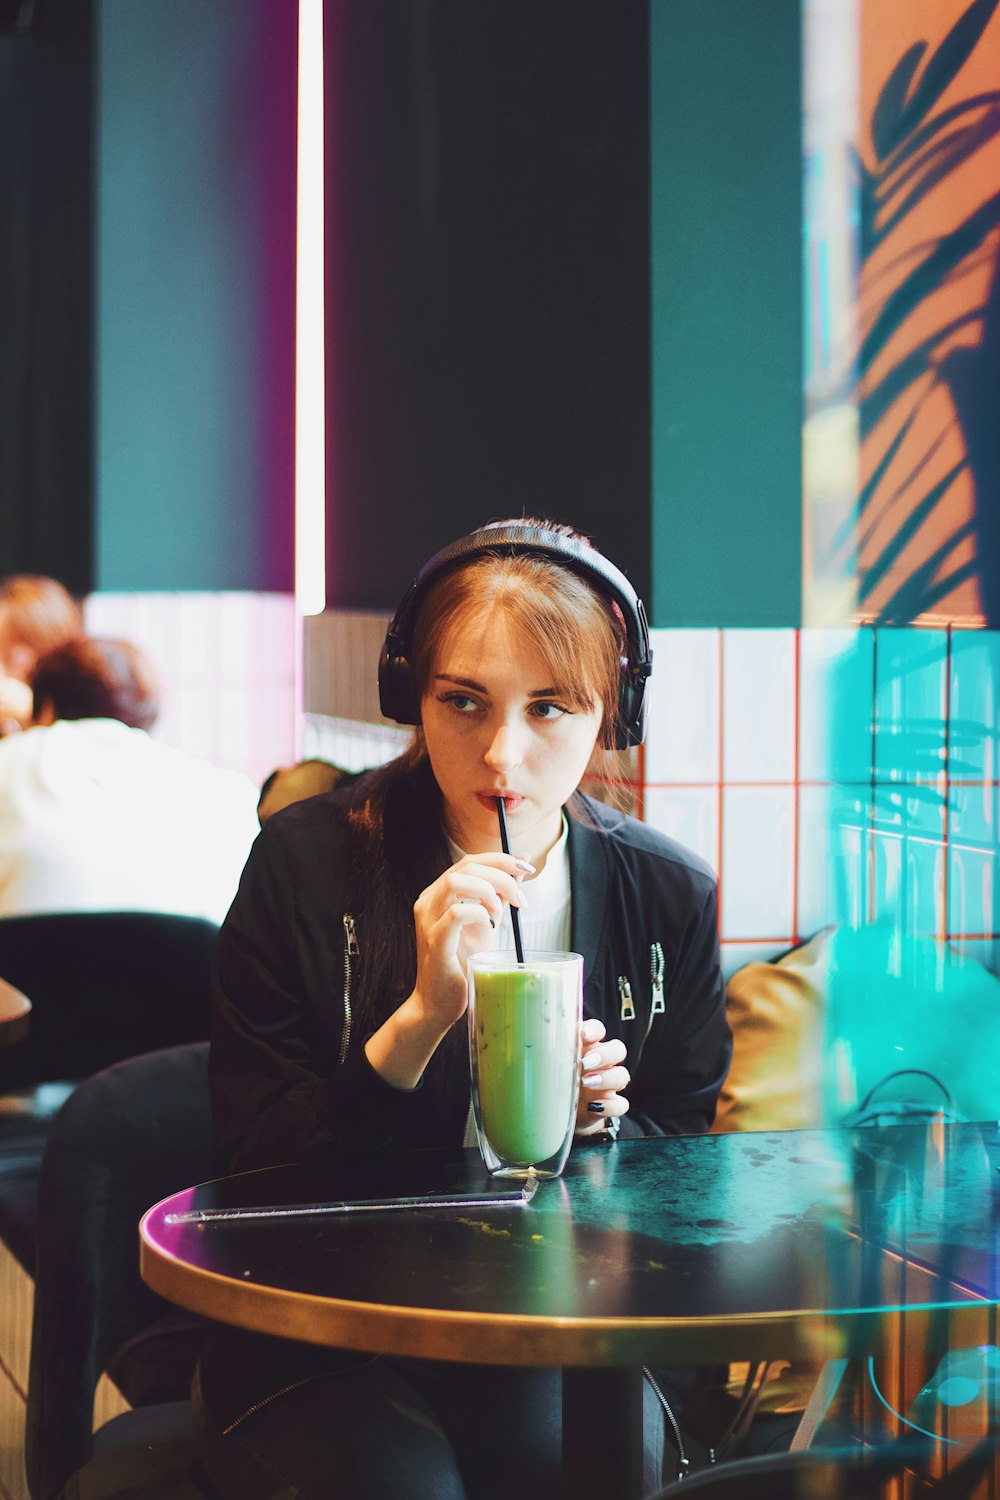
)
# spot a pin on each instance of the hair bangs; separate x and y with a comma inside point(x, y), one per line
point(548, 608)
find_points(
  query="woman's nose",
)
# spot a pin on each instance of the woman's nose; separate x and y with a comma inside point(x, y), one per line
point(504, 749)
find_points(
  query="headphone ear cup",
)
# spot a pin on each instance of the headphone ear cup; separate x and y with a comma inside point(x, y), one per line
point(631, 713)
point(396, 689)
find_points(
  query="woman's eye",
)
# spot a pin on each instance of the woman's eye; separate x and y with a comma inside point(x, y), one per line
point(460, 701)
point(547, 711)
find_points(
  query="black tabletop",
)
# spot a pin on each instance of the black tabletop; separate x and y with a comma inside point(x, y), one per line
point(727, 1246)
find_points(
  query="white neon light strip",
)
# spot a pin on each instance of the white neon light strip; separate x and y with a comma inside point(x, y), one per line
point(310, 393)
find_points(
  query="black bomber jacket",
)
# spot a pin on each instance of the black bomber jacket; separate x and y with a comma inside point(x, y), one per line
point(288, 1069)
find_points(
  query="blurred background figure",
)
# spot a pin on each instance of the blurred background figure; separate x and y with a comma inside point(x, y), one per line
point(36, 615)
point(96, 816)
point(307, 778)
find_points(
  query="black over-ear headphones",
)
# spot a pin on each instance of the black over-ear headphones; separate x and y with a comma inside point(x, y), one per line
point(396, 686)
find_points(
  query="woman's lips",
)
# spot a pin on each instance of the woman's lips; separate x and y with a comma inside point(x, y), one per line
point(511, 800)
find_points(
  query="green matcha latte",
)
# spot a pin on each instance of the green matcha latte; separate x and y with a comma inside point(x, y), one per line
point(525, 1042)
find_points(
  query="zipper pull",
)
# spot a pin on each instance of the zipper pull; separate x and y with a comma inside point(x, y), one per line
point(350, 935)
point(656, 974)
point(627, 1005)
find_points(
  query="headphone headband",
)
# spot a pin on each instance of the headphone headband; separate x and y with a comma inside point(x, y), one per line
point(397, 690)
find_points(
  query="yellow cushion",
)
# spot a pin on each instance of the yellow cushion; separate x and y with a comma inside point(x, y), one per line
point(776, 1012)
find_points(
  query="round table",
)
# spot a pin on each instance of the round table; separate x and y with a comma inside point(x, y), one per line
point(685, 1250)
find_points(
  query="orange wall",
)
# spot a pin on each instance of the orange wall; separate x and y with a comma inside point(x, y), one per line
point(930, 151)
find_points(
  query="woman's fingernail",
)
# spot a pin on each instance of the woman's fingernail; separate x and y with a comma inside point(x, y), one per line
point(593, 1080)
point(525, 865)
point(592, 1060)
point(492, 923)
point(596, 1107)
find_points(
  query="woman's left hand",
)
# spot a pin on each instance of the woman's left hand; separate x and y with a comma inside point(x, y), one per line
point(602, 1076)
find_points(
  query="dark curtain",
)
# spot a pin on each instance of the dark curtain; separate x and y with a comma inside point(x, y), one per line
point(46, 273)
point(488, 278)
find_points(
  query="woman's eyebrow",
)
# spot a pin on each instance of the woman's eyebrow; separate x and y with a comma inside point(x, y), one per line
point(477, 687)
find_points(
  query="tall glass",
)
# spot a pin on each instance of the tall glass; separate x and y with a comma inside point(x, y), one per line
point(524, 1046)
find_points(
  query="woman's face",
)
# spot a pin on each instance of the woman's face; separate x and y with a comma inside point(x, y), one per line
point(494, 726)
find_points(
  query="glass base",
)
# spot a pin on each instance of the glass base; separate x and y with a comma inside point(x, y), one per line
point(521, 1174)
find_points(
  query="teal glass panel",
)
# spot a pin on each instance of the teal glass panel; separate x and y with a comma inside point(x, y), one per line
point(974, 706)
point(833, 864)
point(902, 1002)
point(910, 704)
point(973, 859)
point(836, 705)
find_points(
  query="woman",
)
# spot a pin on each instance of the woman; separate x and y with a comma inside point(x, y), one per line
point(342, 988)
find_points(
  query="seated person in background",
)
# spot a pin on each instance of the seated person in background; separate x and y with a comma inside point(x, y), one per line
point(36, 615)
point(96, 816)
point(307, 778)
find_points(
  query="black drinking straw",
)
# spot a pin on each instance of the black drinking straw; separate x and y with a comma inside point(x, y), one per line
point(514, 914)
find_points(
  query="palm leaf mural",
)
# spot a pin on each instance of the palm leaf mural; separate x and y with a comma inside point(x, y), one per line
point(929, 242)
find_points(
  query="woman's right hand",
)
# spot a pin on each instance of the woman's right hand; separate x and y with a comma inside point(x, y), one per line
point(454, 917)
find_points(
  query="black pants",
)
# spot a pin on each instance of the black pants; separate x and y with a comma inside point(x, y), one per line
point(406, 1429)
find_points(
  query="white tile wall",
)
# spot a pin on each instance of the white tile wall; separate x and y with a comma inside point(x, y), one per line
point(227, 668)
point(758, 862)
point(682, 737)
point(735, 955)
point(688, 814)
point(355, 747)
point(758, 705)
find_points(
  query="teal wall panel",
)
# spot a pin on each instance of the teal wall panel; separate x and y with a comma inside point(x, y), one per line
point(194, 229)
point(725, 202)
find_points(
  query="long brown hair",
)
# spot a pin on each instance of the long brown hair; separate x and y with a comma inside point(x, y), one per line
point(396, 811)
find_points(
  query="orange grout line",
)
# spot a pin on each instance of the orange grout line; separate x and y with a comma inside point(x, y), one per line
point(883, 785)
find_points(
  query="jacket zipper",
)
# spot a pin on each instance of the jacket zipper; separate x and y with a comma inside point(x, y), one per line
point(656, 979)
point(657, 1007)
point(350, 951)
point(266, 1401)
point(683, 1462)
point(284, 1390)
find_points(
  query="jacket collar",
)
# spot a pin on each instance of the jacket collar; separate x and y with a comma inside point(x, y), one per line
point(590, 881)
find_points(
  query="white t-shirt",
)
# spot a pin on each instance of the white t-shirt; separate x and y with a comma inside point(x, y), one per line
point(95, 816)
